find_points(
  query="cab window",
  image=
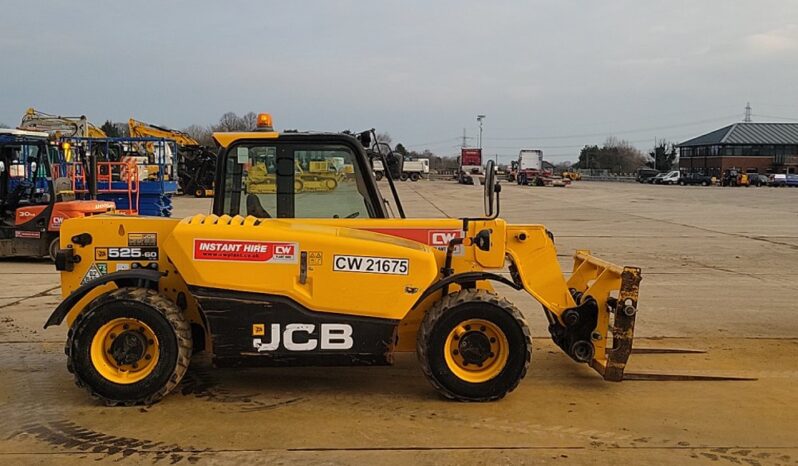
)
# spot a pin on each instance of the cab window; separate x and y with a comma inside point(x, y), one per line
point(282, 180)
point(328, 184)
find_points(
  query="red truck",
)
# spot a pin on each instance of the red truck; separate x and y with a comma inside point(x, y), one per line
point(470, 165)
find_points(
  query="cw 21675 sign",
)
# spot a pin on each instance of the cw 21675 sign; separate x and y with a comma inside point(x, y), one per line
point(368, 264)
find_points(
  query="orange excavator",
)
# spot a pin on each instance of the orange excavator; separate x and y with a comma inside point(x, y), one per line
point(33, 201)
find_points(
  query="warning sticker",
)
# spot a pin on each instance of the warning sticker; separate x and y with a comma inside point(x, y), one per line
point(245, 251)
point(95, 271)
point(258, 330)
point(314, 258)
point(142, 239)
point(28, 234)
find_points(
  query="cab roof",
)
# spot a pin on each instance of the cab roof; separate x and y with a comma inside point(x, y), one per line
point(227, 138)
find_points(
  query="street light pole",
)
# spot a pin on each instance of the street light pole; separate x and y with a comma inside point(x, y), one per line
point(480, 118)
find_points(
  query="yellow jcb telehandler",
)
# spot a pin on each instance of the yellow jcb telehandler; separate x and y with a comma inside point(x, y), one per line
point(325, 278)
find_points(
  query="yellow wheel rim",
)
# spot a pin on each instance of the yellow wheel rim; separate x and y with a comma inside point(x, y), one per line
point(331, 184)
point(476, 350)
point(124, 350)
point(298, 186)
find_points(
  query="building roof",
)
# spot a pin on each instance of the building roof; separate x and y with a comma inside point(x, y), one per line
point(748, 133)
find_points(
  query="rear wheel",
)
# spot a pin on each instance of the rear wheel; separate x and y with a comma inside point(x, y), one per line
point(474, 346)
point(415, 177)
point(403, 176)
point(130, 346)
point(330, 184)
point(298, 185)
point(55, 246)
point(378, 176)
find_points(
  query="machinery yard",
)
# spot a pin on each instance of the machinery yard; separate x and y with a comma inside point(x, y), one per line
point(719, 272)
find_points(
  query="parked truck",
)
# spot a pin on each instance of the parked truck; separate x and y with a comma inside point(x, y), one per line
point(470, 165)
point(401, 169)
point(529, 170)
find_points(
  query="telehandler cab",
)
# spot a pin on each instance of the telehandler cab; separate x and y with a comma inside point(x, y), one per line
point(325, 278)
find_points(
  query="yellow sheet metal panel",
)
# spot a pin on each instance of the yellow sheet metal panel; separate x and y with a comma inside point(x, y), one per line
point(348, 271)
point(225, 139)
point(535, 255)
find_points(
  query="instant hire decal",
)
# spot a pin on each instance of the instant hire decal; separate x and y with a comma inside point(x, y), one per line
point(245, 251)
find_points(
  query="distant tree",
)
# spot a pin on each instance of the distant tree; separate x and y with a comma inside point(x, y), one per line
point(384, 138)
point(232, 122)
point(124, 130)
point(228, 122)
point(616, 156)
point(203, 134)
point(589, 157)
point(401, 149)
point(249, 121)
point(110, 129)
point(663, 156)
point(3, 125)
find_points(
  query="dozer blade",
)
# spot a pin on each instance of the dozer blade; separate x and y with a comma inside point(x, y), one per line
point(654, 377)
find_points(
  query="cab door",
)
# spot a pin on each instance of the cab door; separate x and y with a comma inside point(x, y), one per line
point(277, 179)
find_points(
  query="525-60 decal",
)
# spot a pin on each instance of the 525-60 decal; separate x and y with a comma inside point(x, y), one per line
point(368, 264)
point(126, 254)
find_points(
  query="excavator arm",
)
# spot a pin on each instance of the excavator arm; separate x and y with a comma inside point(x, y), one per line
point(140, 129)
point(60, 126)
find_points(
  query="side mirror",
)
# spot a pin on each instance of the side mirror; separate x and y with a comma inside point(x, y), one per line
point(33, 167)
point(2, 167)
point(491, 188)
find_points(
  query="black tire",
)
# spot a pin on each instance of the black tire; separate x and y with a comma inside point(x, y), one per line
point(415, 177)
point(403, 176)
point(682, 183)
point(704, 183)
point(54, 247)
point(147, 306)
point(456, 308)
point(378, 176)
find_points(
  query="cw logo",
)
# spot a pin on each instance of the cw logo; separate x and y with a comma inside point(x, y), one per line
point(442, 238)
point(285, 249)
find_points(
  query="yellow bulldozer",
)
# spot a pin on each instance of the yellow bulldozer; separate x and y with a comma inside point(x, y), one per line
point(327, 278)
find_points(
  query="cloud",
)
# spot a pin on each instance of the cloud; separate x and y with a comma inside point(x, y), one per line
point(778, 40)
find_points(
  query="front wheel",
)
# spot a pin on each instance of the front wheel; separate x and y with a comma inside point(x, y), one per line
point(378, 176)
point(403, 176)
point(415, 177)
point(474, 346)
point(130, 346)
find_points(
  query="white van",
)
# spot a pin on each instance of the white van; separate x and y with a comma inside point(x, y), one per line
point(670, 178)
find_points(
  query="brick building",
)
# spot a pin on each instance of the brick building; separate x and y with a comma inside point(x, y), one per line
point(751, 147)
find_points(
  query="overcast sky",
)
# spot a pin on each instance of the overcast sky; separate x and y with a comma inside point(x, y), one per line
point(559, 73)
